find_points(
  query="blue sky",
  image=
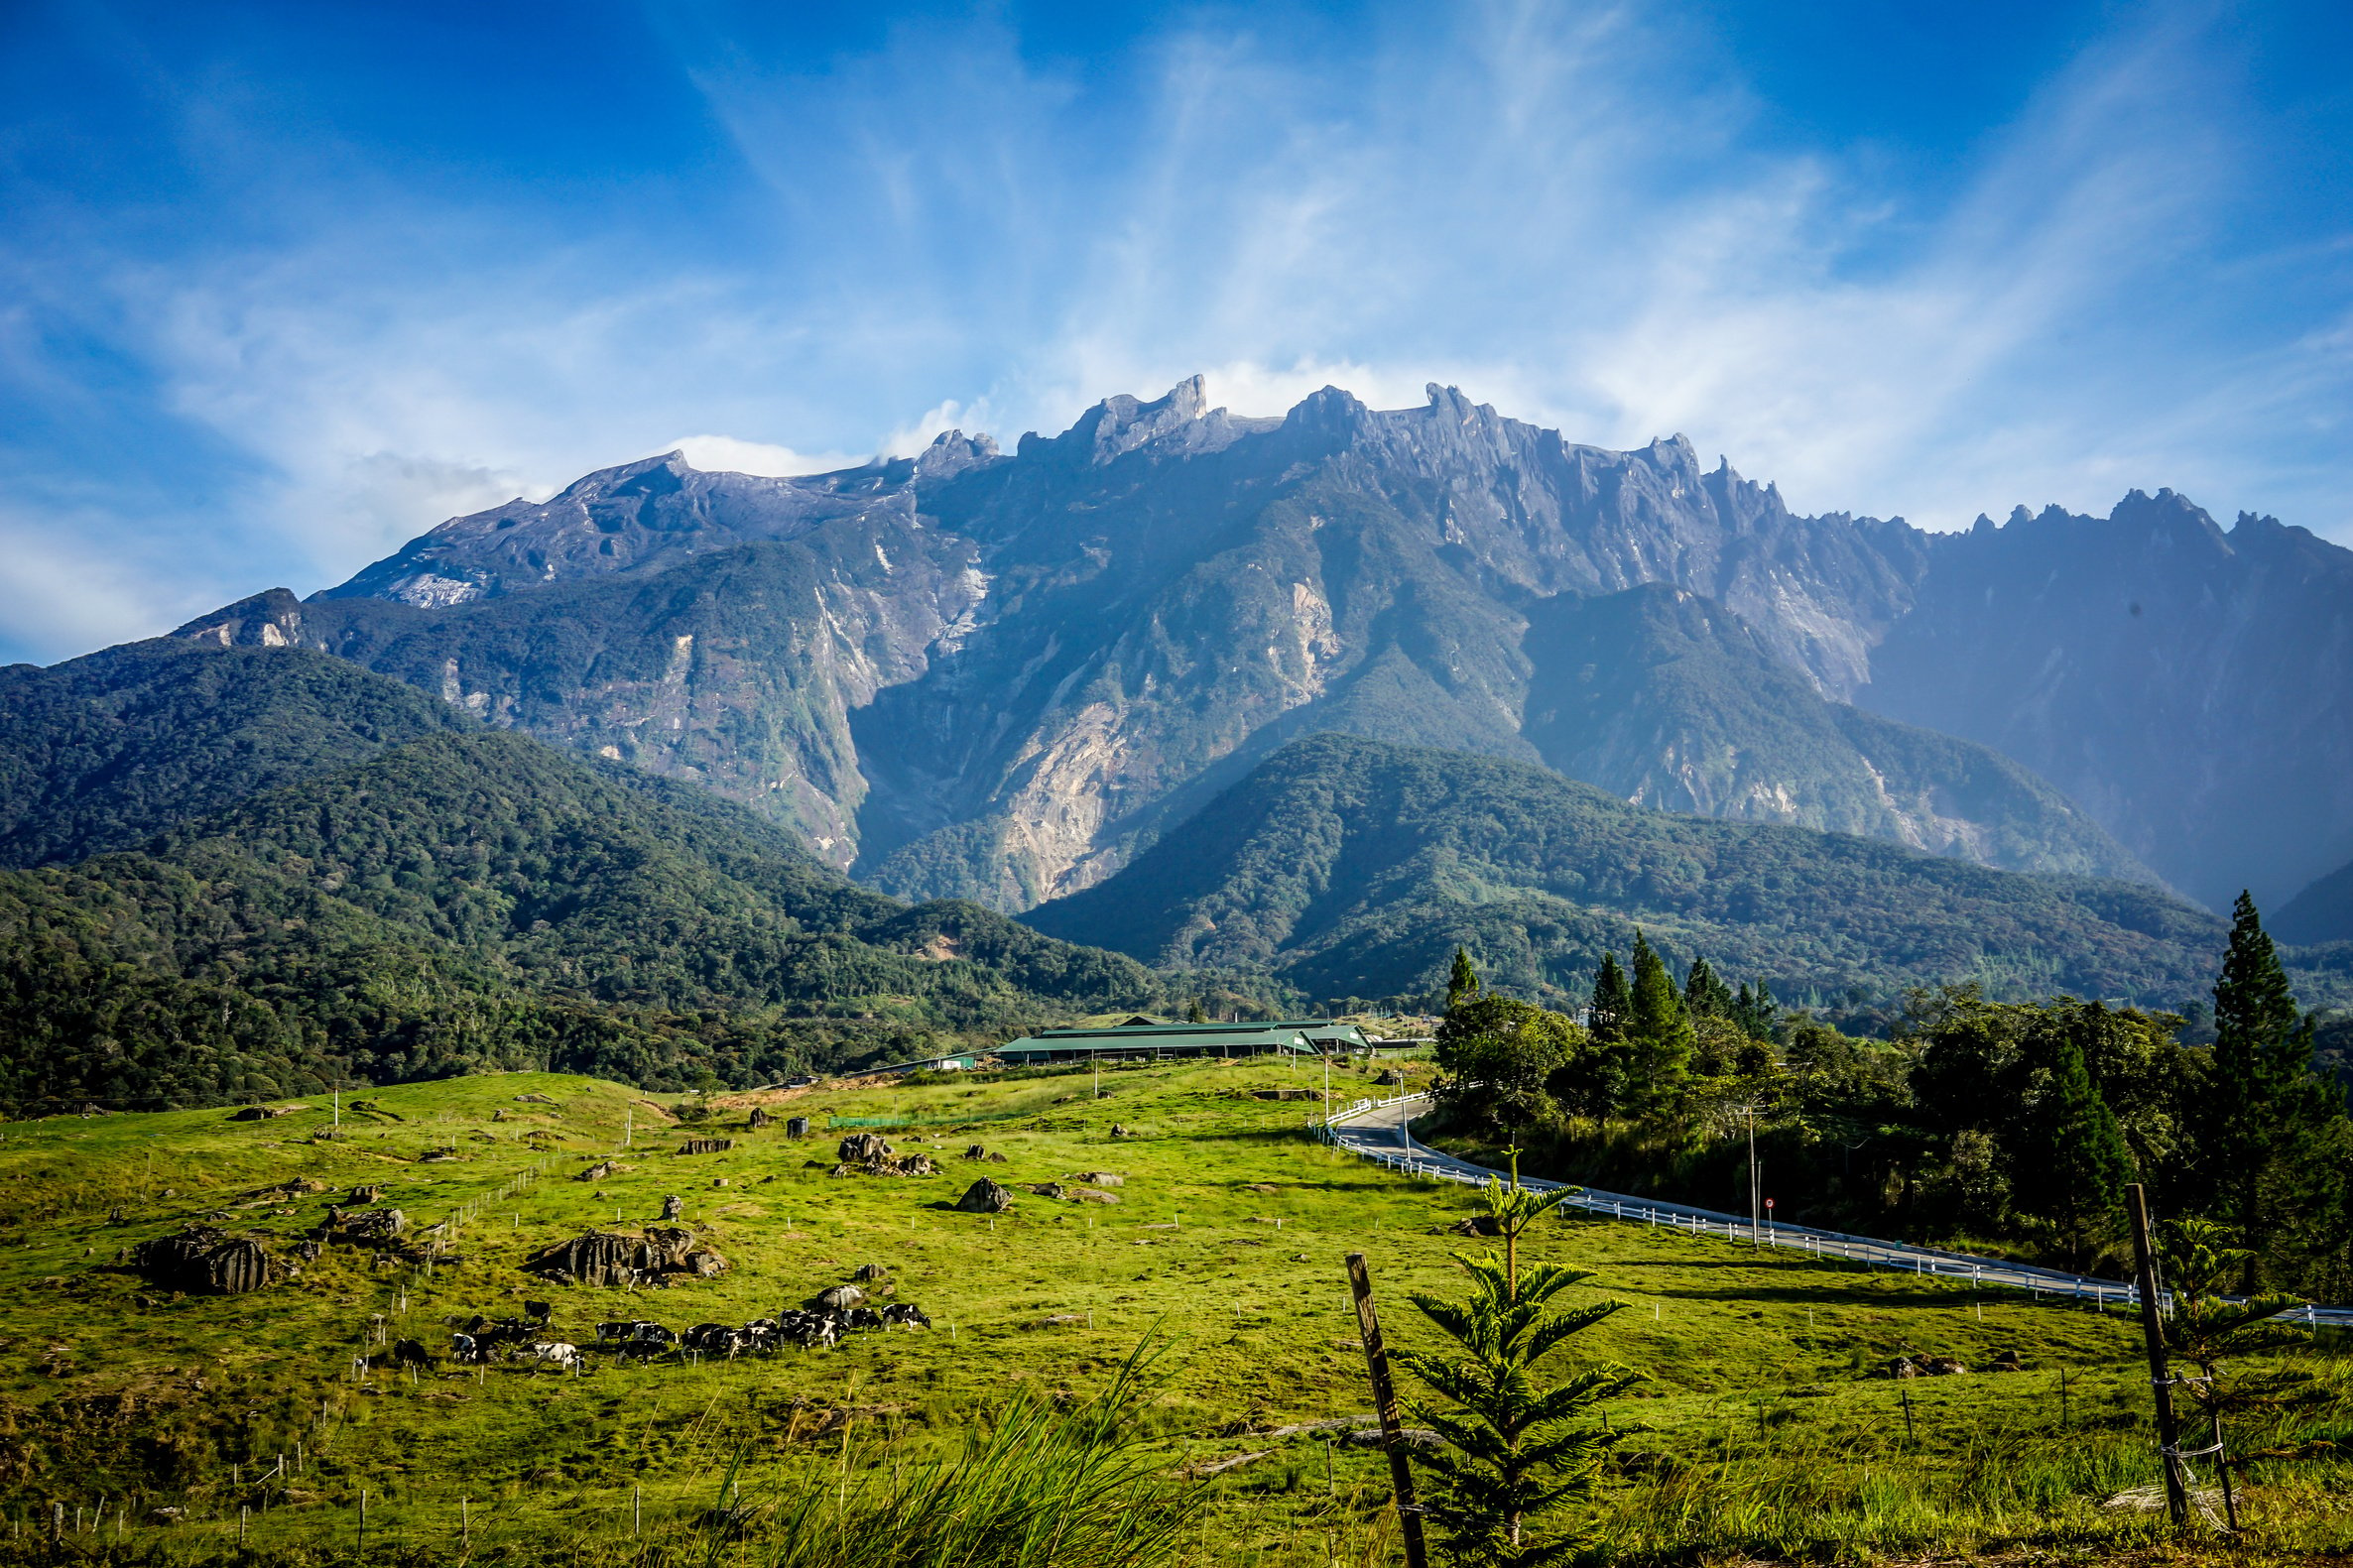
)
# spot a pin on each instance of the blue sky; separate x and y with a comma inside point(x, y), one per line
point(282, 286)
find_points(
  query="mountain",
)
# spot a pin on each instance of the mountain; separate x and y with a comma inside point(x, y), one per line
point(1353, 868)
point(1667, 700)
point(101, 752)
point(2321, 913)
point(2191, 689)
point(481, 900)
point(999, 675)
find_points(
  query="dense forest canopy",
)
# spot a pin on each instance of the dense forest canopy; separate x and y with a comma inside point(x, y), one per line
point(477, 901)
point(2004, 1126)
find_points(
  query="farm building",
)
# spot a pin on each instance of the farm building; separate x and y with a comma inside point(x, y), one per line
point(1302, 1037)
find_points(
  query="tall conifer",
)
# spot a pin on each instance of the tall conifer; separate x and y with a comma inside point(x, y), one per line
point(1462, 981)
point(1659, 1033)
point(1705, 996)
point(1605, 1019)
point(2076, 1175)
point(2268, 1112)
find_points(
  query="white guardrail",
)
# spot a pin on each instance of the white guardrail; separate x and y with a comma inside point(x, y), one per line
point(1392, 1147)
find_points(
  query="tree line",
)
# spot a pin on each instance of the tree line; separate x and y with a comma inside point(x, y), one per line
point(2005, 1127)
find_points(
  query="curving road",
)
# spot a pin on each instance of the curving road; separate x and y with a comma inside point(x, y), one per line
point(1380, 1130)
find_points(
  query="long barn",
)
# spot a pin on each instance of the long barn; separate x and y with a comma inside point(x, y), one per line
point(1299, 1036)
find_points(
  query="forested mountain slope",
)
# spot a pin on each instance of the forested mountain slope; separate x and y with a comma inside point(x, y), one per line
point(100, 753)
point(1354, 868)
point(481, 900)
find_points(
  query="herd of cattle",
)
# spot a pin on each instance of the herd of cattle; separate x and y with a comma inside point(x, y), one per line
point(479, 1341)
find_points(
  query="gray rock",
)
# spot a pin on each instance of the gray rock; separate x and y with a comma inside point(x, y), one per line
point(985, 1197)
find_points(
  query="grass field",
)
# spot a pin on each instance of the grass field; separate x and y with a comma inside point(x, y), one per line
point(1756, 1434)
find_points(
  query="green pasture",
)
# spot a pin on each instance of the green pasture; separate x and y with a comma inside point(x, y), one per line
point(1754, 1435)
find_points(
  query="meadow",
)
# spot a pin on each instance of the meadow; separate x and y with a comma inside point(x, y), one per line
point(1756, 1434)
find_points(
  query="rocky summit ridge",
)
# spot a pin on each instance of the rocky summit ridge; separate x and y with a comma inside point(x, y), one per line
point(998, 674)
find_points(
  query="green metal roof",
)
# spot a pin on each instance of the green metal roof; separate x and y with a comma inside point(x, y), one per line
point(1162, 1031)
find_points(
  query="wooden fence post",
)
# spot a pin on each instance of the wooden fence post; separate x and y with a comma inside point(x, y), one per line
point(1376, 1359)
point(2153, 1335)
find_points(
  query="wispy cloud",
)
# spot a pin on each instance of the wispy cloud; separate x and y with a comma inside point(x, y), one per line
point(1577, 215)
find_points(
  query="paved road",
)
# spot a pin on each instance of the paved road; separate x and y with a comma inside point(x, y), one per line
point(1378, 1130)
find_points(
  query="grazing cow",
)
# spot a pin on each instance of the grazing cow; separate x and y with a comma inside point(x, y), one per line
point(618, 1329)
point(764, 1333)
point(866, 1318)
point(905, 1312)
point(409, 1352)
point(716, 1338)
point(564, 1356)
point(648, 1340)
point(808, 1330)
point(466, 1350)
point(539, 1311)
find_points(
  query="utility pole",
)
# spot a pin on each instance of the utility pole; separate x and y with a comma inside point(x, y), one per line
point(2152, 1334)
point(1756, 1200)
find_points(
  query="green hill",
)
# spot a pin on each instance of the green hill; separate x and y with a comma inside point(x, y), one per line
point(483, 900)
point(1353, 868)
point(100, 753)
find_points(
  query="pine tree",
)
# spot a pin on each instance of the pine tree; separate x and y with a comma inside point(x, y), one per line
point(2261, 1056)
point(1755, 1011)
point(1462, 981)
point(1705, 996)
point(1511, 1453)
point(2076, 1170)
point(1659, 1033)
point(1605, 1017)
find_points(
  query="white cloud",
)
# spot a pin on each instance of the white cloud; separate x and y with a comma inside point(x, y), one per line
point(726, 455)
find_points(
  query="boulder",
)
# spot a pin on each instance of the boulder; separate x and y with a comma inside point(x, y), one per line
point(863, 1148)
point(838, 1299)
point(1046, 1189)
point(533, 1099)
point(984, 1197)
point(367, 1227)
point(673, 1207)
point(796, 1126)
point(370, 1193)
point(866, 1274)
point(976, 1152)
point(598, 1171)
point(1100, 1178)
point(666, 1248)
point(593, 1258)
point(756, 1120)
point(1090, 1195)
point(260, 1113)
point(1118, 1131)
point(201, 1260)
point(1470, 1225)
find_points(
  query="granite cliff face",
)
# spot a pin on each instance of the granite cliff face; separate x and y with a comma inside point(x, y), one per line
point(2191, 689)
point(990, 676)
